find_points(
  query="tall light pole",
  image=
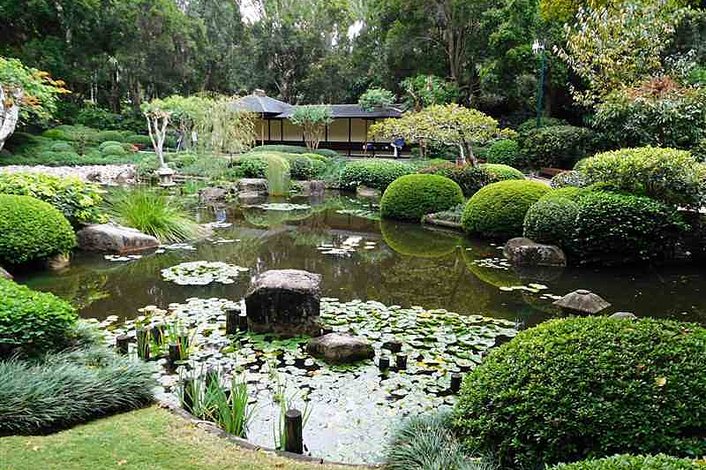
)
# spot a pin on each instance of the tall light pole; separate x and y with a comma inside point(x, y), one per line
point(539, 49)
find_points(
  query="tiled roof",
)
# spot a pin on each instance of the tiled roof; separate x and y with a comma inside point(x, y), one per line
point(343, 111)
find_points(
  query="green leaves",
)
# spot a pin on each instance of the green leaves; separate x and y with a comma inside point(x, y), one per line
point(411, 197)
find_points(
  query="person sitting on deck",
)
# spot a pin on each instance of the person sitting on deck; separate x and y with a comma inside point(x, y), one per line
point(398, 144)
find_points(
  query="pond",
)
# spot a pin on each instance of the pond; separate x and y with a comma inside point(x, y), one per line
point(446, 297)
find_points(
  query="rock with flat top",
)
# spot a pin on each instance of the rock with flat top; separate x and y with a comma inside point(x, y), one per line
point(284, 302)
point(339, 348)
point(252, 185)
point(109, 238)
point(582, 301)
point(522, 251)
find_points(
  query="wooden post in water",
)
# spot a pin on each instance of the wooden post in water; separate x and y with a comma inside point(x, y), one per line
point(243, 322)
point(293, 424)
point(384, 364)
point(232, 315)
point(121, 344)
point(401, 361)
point(143, 345)
point(174, 355)
point(455, 382)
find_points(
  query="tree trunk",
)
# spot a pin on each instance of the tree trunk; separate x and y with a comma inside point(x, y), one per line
point(9, 115)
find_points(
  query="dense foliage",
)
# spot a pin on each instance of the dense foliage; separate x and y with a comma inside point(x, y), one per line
point(667, 175)
point(470, 178)
point(410, 197)
point(377, 174)
point(505, 152)
point(79, 202)
point(498, 210)
point(634, 462)
point(32, 230)
point(500, 172)
point(552, 219)
point(556, 146)
point(69, 388)
point(32, 322)
point(580, 388)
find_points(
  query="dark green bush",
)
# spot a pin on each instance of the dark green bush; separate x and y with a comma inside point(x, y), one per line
point(499, 172)
point(98, 118)
point(531, 124)
point(70, 388)
point(377, 174)
point(621, 228)
point(470, 178)
point(505, 152)
point(114, 150)
point(668, 175)
point(589, 387)
point(110, 136)
point(32, 230)
point(62, 147)
point(32, 322)
point(138, 139)
point(79, 202)
point(248, 166)
point(410, 197)
point(301, 167)
point(556, 146)
point(55, 134)
point(634, 462)
point(295, 150)
point(498, 210)
point(552, 219)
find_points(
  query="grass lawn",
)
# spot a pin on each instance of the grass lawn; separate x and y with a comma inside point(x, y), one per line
point(151, 438)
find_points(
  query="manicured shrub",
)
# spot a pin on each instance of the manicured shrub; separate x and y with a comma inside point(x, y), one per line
point(531, 124)
point(500, 172)
point(589, 387)
point(70, 388)
point(55, 134)
point(552, 219)
point(295, 150)
point(498, 210)
point(667, 175)
point(556, 146)
point(110, 136)
point(79, 202)
point(248, 166)
point(109, 143)
point(98, 118)
point(32, 230)
point(377, 174)
point(426, 442)
point(61, 147)
point(137, 139)
point(301, 167)
point(505, 152)
point(634, 462)
point(113, 150)
point(470, 178)
point(621, 228)
point(412, 196)
point(153, 213)
point(32, 322)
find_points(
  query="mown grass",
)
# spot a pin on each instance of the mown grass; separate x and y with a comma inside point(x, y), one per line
point(151, 438)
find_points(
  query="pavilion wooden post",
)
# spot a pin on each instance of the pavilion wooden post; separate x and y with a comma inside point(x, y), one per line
point(293, 424)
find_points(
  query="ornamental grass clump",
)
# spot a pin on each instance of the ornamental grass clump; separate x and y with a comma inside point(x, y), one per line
point(153, 213)
point(591, 387)
point(70, 388)
point(32, 230)
point(411, 197)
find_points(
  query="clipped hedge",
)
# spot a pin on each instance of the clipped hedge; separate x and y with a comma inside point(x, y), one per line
point(32, 322)
point(32, 230)
point(411, 197)
point(470, 178)
point(552, 219)
point(589, 387)
point(295, 150)
point(377, 174)
point(499, 172)
point(556, 146)
point(634, 462)
point(498, 210)
point(79, 202)
point(505, 152)
point(70, 388)
point(248, 166)
point(667, 175)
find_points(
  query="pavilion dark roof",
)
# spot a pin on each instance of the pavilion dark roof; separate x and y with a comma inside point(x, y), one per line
point(262, 104)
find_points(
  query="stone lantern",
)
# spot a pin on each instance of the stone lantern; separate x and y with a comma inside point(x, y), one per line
point(582, 302)
point(166, 175)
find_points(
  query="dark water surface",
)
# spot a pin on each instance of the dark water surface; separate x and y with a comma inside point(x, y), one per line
point(409, 265)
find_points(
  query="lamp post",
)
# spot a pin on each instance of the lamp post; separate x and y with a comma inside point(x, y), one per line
point(539, 49)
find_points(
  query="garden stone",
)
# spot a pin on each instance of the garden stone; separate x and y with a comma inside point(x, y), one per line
point(4, 274)
point(522, 251)
point(285, 302)
point(252, 198)
point(582, 301)
point(339, 348)
point(624, 316)
point(253, 185)
point(367, 193)
point(313, 188)
point(108, 238)
point(212, 195)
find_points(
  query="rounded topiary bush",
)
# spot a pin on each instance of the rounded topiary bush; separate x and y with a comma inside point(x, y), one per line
point(498, 210)
point(589, 387)
point(32, 230)
point(552, 219)
point(61, 147)
point(411, 197)
point(505, 152)
point(109, 143)
point(114, 150)
point(33, 322)
point(301, 167)
point(470, 178)
point(376, 174)
point(500, 172)
point(634, 462)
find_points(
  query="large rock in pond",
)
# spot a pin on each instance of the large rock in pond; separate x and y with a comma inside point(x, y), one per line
point(213, 194)
point(252, 185)
point(313, 188)
point(522, 251)
point(339, 348)
point(108, 238)
point(285, 302)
